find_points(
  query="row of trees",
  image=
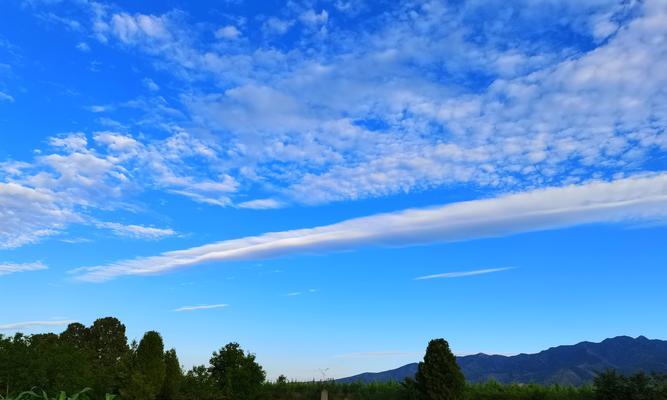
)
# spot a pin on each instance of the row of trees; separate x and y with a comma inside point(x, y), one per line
point(99, 357)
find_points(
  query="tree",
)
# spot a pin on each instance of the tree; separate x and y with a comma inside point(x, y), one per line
point(172, 377)
point(198, 384)
point(108, 344)
point(237, 374)
point(147, 369)
point(77, 335)
point(439, 376)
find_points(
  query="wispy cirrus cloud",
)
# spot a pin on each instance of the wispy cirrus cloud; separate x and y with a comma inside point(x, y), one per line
point(136, 231)
point(461, 274)
point(15, 326)
point(625, 200)
point(200, 307)
point(294, 294)
point(5, 97)
point(11, 268)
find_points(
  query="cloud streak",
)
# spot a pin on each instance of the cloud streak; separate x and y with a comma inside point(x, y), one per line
point(10, 268)
point(202, 307)
point(136, 231)
point(462, 273)
point(31, 324)
point(637, 199)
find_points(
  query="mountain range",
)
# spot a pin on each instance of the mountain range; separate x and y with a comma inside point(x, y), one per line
point(565, 365)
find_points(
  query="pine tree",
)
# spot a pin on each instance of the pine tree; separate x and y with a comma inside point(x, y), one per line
point(439, 376)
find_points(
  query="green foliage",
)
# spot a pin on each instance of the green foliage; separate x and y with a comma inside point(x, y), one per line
point(236, 374)
point(107, 343)
point(611, 385)
point(172, 377)
point(147, 369)
point(97, 357)
point(496, 391)
point(439, 376)
point(398, 391)
point(353, 391)
point(100, 357)
point(42, 361)
point(198, 384)
point(32, 395)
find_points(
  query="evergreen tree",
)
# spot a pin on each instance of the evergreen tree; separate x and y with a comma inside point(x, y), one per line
point(147, 369)
point(439, 376)
point(237, 374)
point(172, 377)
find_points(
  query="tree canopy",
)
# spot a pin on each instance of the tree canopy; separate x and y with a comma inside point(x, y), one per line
point(236, 373)
point(439, 376)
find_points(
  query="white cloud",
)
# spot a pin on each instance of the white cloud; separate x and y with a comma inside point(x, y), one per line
point(98, 108)
point(202, 307)
point(83, 46)
point(150, 85)
point(5, 97)
point(447, 275)
point(118, 142)
point(70, 142)
point(320, 122)
point(65, 185)
point(294, 294)
point(312, 18)
point(136, 231)
point(228, 32)
point(547, 116)
point(135, 28)
point(11, 268)
point(626, 200)
point(29, 214)
point(16, 326)
point(277, 26)
point(261, 204)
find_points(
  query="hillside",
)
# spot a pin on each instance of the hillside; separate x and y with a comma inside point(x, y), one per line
point(566, 365)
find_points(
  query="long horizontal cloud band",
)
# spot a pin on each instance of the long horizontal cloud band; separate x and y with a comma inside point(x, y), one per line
point(638, 198)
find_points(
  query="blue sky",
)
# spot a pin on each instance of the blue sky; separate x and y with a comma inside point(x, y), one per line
point(334, 183)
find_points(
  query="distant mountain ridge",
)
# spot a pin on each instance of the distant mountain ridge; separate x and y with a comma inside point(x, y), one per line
point(565, 365)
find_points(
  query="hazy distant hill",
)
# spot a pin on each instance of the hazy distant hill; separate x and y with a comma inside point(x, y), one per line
point(566, 365)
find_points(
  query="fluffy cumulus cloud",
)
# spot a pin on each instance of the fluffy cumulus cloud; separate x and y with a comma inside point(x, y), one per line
point(228, 32)
point(627, 200)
